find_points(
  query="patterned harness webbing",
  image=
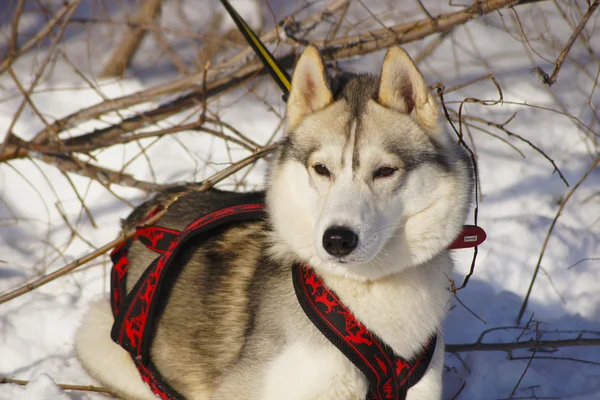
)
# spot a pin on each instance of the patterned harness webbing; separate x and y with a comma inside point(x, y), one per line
point(389, 376)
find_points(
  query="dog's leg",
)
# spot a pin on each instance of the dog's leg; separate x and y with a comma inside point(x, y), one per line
point(430, 386)
point(305, 372)
point(105, 360)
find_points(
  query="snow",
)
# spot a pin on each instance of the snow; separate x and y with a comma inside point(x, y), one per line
point(520, 196)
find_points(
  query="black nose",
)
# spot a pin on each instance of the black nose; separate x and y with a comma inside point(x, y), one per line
point(339, 241)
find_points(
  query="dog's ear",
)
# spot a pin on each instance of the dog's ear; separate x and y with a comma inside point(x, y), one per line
point(309, 87)
point(403, 88)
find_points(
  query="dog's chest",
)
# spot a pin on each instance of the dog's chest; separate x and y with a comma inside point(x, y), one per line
point(404, 311)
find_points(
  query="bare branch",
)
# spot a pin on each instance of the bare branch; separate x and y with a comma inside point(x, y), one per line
point(531, 344)
point(563, 54)
point(64, 386)
point(125, 51)
point(41, 34)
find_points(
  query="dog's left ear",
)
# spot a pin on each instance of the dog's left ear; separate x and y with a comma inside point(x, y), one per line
point(309, 87)
point(403, 88)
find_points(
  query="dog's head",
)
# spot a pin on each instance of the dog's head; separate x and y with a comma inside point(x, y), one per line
point(366, 183)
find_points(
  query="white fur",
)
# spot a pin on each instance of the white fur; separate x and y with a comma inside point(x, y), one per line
point(106, 360)
point(298, 374)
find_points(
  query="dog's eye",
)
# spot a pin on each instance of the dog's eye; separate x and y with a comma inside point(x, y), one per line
point(384, 172)
point(321, 169)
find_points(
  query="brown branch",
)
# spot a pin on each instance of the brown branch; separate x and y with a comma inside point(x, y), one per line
point(563, 54)
point(557, 358)
point(13, 148)
point(99, 143)
point(547, 238)
point(424, 9)
point(502, 127)
point(410, 31)
point(523, 374)
point(207, 184)
point(530, 344)
point(14, 37)
point(146, 118)
point(128, 46)
point(41, 34)
point(64, 386)
point(38, 75)
point(105, 176)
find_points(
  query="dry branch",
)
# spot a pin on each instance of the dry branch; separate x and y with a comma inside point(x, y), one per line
point(42, 34)
point(64, 386)
point(125, 51)
point(563, 54)
point(107, 177)
point(531, 344)
point(407, 32)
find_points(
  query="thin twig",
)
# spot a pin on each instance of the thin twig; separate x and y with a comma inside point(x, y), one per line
point(42, 34)
point(531, 344)
point(440, 91)
point(522, 374)
point(64, 386)
point(563, 54)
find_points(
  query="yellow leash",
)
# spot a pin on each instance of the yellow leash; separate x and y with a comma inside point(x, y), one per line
point(277, 73)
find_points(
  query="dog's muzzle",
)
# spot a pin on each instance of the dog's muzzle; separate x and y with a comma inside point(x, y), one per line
point(339, 241)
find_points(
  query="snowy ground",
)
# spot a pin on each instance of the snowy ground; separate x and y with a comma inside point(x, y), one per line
point(520, 195)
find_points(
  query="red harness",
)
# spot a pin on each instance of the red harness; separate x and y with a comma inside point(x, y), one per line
point(389, 376)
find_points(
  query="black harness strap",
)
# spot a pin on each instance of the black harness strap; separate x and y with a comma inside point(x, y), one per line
point(155, 238)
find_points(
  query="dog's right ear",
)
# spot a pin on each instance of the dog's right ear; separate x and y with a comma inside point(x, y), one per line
point(309, 87)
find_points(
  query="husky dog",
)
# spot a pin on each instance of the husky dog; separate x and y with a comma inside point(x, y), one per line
point(368, 190)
